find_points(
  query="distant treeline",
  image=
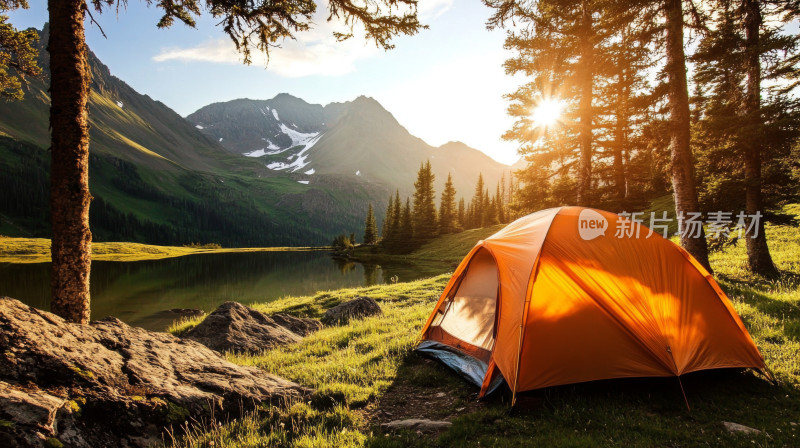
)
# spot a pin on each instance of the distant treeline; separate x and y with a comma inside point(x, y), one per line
point(411, 222)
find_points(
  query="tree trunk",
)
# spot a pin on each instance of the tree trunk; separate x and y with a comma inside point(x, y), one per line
point(619, 139)
point(69, 172)
point(585, 134)
point(683, 182)
point(758, 256)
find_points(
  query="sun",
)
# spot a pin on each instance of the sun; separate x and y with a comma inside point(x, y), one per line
point(547, 112)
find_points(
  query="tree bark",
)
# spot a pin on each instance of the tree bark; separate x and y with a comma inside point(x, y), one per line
point(620, 184)
point(758, 256)
point(683, 182)
point(69, 172)
point(585, 134)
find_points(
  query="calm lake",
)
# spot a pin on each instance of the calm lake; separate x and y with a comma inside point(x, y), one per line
point(142, 293)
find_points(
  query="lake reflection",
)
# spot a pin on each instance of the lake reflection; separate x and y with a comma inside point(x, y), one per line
point(141, 292)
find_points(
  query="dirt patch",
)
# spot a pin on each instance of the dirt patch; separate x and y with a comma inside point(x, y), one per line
point(424, 389)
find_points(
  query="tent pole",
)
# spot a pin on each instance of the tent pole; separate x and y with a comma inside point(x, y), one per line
point(678, 375)
point(685, 400)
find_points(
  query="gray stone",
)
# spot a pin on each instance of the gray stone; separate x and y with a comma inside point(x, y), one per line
point(121, 385)
point(737, 428)
point(236, 328)
point(416, 424)
point(357, 308)
point(299, 325)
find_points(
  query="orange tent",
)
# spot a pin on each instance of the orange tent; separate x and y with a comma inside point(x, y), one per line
point(572, 294)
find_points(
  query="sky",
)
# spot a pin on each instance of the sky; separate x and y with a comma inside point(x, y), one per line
point(443, 84)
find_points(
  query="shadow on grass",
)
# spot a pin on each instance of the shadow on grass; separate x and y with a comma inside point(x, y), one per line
point(635, 412)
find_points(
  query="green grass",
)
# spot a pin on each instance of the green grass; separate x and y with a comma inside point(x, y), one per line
point(366, 373)
point(448, 248)
point(37, 250)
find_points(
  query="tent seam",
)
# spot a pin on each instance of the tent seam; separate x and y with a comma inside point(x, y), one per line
point(531, 280)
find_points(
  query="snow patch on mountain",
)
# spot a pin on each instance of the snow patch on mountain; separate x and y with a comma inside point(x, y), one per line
point(305, 182)
point(275, 114)
point(220, 139)
point(256, 153)
point(300, 159)
point(358, 173)
point(119, 104)
point(298, 138)
point(272, 147)
point(198, 126)
point(310, 172)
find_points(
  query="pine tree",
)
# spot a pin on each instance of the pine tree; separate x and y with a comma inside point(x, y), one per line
point(560, 48)
point(19, 53)
point(682, 163)
point(742, 132)
point(461, 220)
point(258, 25)
point(425, 226)
point(447, 208)
point(370, 228)
point(499, 202)
point(406, 233)
point(477, 205)
point(388, 231)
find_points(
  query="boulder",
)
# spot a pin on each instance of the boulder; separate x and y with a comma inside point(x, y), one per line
point(302, 326)
point(236, 328)
point(109, 384)
point(30, 417)
point(357, 308)
point(416, 424)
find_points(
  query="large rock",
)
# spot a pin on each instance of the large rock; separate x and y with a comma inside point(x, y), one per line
point(357, 308)
point(298, 325)
point(109, 384)
point(236, 328)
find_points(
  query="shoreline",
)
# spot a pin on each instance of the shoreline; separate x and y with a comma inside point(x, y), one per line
point(14, 250)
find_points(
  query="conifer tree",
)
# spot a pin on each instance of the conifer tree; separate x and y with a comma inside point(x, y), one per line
point(477, 204)
point(17, 53)
point(424, 206)
point(250, 25)
point(559, 47)
point(682, 161)
point(406, 232)
point(388, 231)
point(499, 202)
point(461, 215)
point(370, 228)
point(745, 129)
point(447, 208)
point(487, 213)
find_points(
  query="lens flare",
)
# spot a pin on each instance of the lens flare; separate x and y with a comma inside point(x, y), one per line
point(547, 113)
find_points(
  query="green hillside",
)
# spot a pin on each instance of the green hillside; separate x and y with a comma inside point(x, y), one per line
point(156, 179)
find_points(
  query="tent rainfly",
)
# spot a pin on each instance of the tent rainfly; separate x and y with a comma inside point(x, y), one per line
point(572, 294)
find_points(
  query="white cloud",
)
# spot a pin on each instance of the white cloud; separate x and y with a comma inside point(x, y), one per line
point(313, 52)
point(432, 9)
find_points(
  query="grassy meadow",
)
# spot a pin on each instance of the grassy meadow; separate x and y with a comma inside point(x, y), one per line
point(37, 250)
point(366, 373)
